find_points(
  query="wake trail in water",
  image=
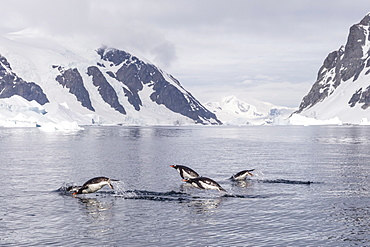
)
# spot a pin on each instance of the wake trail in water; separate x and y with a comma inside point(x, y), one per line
point(247, 196)
point(121, 192)
point(154, 196)
point(285, 181)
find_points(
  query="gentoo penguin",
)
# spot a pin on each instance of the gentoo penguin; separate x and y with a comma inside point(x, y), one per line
point(185, 172)
point(204, 183)
point(241, 175)
point(94, 184)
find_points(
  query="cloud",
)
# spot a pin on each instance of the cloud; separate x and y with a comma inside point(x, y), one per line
point(248, 80)
point(122, 24)
point(164, 54)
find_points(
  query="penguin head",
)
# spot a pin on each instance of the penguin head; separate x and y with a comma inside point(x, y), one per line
point(110, 180)
point(107, 181)
point(110, 184)
point(249, 173)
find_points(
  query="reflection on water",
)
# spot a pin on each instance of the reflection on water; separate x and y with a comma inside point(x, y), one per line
point(205, 205)
point(242, 183)
point(98, 210)
point(352, 136)
point(140, 132)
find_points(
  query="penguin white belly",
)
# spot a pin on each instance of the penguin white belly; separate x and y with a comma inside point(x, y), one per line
point(188, 175)
point(93, 187)
point(243, 177)
point(209, 186)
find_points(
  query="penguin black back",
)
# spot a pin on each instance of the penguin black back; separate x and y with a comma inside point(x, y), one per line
point(204, 183)
point(242, 175)
point(185, 172)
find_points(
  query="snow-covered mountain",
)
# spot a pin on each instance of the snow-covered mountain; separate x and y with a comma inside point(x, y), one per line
point(341, 93)
point(44, 82)
point(233, 111)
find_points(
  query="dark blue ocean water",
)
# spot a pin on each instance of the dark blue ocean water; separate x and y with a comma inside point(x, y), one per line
point(311, 186)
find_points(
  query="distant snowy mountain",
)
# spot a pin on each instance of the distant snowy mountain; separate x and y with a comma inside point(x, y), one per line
point(341, 93)
point(42, 82)
point(233, 111)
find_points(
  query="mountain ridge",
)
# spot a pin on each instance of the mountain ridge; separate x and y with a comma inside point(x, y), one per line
point(108, 84)
point(342, 89)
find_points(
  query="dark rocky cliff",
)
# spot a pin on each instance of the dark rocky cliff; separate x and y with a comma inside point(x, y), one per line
point(134, 74)
point(71, 79)
point(345, 64)
point(11, 84)
point(105, 89)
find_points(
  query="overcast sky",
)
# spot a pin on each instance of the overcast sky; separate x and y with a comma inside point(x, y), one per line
point(269, 50)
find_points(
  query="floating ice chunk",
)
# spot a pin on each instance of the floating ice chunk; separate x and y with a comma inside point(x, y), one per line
point(297, 119)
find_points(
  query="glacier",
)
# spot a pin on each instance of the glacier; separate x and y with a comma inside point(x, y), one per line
point(234, 111)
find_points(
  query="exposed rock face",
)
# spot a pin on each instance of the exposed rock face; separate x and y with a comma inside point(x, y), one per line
point(72, 80)
point(325, 82)
point(361, 97)
point(11, 84)
point(134, 74)
point(126, 74)
point(105, 89)
point(344, 65)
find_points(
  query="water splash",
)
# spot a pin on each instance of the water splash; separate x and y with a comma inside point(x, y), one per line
point(66, 187)
point(119, 187)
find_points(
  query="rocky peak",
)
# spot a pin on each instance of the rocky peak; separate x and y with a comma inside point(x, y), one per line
point(366, 20)
point(135, 74)
point(342, 65)
point(117, 57)
point(357, 37)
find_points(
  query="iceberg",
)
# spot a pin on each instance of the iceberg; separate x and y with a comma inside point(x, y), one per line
point(297, 119)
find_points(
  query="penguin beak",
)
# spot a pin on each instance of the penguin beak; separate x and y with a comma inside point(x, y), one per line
point(250, 174)
point(172, 166)
point(74, 193)
point(110, 185)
